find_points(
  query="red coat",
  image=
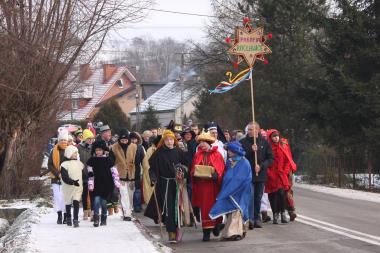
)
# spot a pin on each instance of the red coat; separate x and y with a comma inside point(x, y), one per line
point(205, 191)
point(278, 172)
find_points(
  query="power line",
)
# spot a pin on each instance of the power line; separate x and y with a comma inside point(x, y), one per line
point(182, 13)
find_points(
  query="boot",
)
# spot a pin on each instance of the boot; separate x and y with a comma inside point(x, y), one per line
point(96, 220)
point(258, 224)
point(76, 223)
point(92, 216)
point(172, 237)
point(275, 218)
point(110, 211)
point(217, 229)
point(250, 225)
point(283, 218)
point(64, 218)
point(206, 235)
point(69, 221)
point(292, 215)
point(265, 216)
point(59, 220)
point(116, 209)
point(85, 214)
point(103, 221)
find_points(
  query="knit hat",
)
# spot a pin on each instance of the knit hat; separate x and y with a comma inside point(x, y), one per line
point(63, 134)
point(71, 137)
point(69, 151)
point(87, 134)
point(78, 132)
point(236, 148)
point(165, 135)
point(124, 134)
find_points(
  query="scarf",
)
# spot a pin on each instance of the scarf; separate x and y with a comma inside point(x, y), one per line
point(56, 158)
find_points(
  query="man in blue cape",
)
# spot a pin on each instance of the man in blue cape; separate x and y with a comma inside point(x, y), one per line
point(233, 199)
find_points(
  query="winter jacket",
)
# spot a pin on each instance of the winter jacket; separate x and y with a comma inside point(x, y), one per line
point(264, 156)
point(100, 181)
point(55, 171)
point(84, 154)
point(72, 173)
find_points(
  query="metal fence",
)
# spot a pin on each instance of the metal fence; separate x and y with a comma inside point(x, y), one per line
point(338, 171)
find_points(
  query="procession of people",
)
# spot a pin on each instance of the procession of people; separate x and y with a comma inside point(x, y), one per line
point(179, 176)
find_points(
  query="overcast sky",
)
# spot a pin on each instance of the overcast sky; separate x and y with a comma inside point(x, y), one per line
point(159, 25)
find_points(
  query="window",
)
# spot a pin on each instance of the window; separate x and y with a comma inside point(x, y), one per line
point(119, 83)
point(75, 104)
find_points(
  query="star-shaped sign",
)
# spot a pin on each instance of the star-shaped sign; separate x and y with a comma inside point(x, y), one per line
point(249, 45)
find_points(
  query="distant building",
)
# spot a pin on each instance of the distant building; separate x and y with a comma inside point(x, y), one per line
point(96, 86)
point(167, 103)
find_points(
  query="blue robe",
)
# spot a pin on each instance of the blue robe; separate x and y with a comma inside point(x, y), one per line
point(236, 190)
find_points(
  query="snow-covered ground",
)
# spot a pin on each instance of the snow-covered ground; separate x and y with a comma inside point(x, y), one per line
point(344, 193)
point(117, 236)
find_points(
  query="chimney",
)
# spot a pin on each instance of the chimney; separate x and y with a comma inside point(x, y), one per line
point(108, 71)
point(84, 72)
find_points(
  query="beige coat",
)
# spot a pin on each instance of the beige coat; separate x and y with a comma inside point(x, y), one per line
point(147, 188)
point(72, 192)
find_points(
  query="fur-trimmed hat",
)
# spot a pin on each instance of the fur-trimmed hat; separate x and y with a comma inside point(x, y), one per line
point(99, 144)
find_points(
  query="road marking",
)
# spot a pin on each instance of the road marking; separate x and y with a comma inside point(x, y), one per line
point(338, 230)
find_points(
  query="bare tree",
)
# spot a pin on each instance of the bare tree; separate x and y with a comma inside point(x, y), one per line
point(40, 42)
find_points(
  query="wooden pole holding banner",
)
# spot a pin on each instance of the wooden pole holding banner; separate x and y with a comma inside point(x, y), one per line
point(253, 118)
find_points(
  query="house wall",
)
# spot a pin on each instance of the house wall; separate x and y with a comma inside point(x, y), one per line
point(127, 102)
point(116, 89)
point(188, 108)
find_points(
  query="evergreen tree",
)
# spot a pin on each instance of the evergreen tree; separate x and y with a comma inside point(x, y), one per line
point(111, 113)
point(150, 119)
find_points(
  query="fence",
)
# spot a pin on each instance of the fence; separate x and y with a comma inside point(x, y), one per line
point(338, 171)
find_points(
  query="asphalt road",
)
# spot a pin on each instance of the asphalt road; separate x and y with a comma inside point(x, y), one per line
point(326, 224)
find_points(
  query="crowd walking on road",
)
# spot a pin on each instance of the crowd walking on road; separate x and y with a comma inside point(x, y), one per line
point(225, 182)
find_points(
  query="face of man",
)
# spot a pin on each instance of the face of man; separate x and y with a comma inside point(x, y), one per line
point(204, 145)
point(195, 129)
point(106, 135)
point(124, 141)
point(253, 130)
point(214, 133)
point(187, 137)
point(154, 132)
point(169, 142)
point(275, 138)
point(227, 135)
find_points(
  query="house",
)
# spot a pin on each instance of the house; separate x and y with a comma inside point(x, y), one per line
point(168, 103)
point(96, 86)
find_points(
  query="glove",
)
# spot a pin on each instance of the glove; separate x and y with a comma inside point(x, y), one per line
point(215, 176)
point(76, 182)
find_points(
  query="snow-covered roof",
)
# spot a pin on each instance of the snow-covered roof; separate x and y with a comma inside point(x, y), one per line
point(95, 91)
point(168, 97)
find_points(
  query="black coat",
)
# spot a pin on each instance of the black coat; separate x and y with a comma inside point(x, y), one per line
point(162, 166)
point(265, 156)
point(103, 180)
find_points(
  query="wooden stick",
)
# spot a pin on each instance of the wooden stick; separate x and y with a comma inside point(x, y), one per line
point(158, 211)
point(253, 119)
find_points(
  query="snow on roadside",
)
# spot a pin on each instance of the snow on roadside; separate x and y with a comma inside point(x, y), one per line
point(47, 236)
point(344, 193)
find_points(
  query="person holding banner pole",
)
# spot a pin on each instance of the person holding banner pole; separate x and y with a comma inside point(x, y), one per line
point(260, 156)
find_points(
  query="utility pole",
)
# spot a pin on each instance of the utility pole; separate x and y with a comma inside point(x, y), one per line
point(137, 100)
point(181, 78)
